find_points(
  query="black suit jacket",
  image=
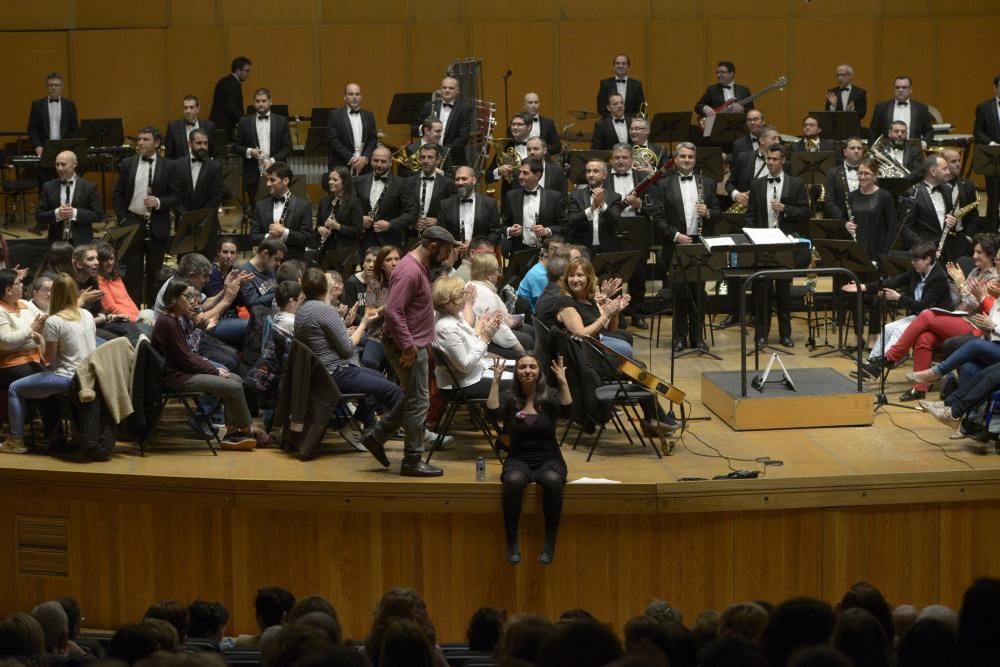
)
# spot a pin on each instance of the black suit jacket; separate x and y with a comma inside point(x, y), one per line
point(921, 123)
point(743, 171)
point(38, 121)
point(581, 228)
point(246, 137)
point(793, 196)
point(548, 133)
point(486, 221)
point(456, 132)
point(298, 221)
point(444, 187)
point(743, 145)
point(341, 136)
point(206, 193)
point(162, 188)
point(987, 125)
point(634, 96)
point(824, 145)
point(87, 202)
point(604, 134)
point(923, 223)
point(398, 206)
point(937, 292)
point(551, 214)
point(348, 215)
point(836, 192)
point(972, 224)
point(857, 95)
point(176, 143)
point(670, 205)
point(227, 103)
point(715, 97)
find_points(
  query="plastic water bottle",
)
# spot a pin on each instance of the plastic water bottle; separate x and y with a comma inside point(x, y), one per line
point(480, 469)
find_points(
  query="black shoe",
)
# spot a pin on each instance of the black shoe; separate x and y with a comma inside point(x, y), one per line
point(702, 345)
point(786, 341)
point(730, 320)
point(419, 469)
point(912, 395)
point(679, 344)
point(377, 449)
point(547, 556)
point(760, 342)
point(513, 554)
point(639, 322)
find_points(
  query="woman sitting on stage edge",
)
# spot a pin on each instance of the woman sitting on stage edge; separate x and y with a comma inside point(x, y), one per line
point(529, 413)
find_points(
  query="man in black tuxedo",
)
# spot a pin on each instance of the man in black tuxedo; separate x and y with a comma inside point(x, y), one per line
point(622, 181)
point(638, 133)
point(613, 128)
point(468, 215)
point(777, 200)
point(431, 131)
point(540, 125)
point(593, 211)
point(351, 133)
point(905, 152)
point(429, 188)
point(143, 196)
point(963, 193)
point(687, 206)
point(723, 92)
point(845, 96)
point(915, 114)
point(932, 207)
point(53, 116)
point(847, 172)
point(748, 142)
point(179, 131)
point(531, 213)
point(811, 140)
point(746, 167)
point(262, 138)
point(227, 99)
point(456, 117)
point(283, 216)
point(69, 198)
point(390, 206)
point(986, 131)
point(520, 125)
point(621, 84)
point(553, 176)
point(197, 177)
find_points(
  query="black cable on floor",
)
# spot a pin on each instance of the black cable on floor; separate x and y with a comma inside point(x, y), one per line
point(923, 439)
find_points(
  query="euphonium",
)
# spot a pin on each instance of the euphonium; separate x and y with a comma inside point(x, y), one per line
point(888, 166)
point(643, 158)
point(404, 159)
point(812, 145)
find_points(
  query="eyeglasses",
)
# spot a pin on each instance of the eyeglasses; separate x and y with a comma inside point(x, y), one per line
point(191, 296)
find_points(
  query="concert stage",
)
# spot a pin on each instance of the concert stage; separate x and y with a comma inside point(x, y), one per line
point(848, 503)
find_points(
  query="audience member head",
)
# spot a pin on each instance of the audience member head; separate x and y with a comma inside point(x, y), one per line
point(165, 659)
point(332, 656)
point(581, 643)
point(819, 656)
point(866, 596)
point(176, 290)
point(903, 617)
point(579, 281)
point(646, 636)
point(368, 264)
point(226, 251)
point(924, 250)
point(796, 623)
point(550, 244)
point(400, 602)
point(484, 267)
point(743, 619)
point(941, 613)
point(55, 626)
point(706, 627)
point(290, 643)
point(59, 258)
point(731, 651)
point(292, 269)
point(11, 289)
point(485, 627)
point(662, 611)
point(74, 616)
point(132, 642)
point(927, 643)
point(861, 638)
point(21, 635)
point(385, 263)
point(978, 622)
point(308, 604)
point(64, 297)
point(555, 268)
point(174, 613)
point(404, 644)
point(167, 638)
point(207, 620)
point(322, 621)
point(448, 294)
point(314, 285)
point(287, 295)
point(107, 262)
point(194, 268)
point(272, 604)
point(523, 638)
point(269, 640)
point(41, 291)
point(85, 263)
point(334, 287)
point(270, 254)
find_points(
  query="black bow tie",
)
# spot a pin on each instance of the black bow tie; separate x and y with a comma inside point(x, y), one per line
point(69, 182)
point(687, 178)
point(940, 188)
point(195, 158)
point(280, 200)
point(427, 178)
point(625, 175)
point(843, 90)
point(520, 143)
point(384, 179)
point(263, 116)
point(52, 101)
point(450, 105)
point(618, 120)
point(902, 104)
point(535, 119)
point(776, 179)
point(354, 111)
point(466, 201)
point(190, 123)
point(530, 193)
point(850, 168)
point(147, 159)
point(621, 80)
point(727, 87)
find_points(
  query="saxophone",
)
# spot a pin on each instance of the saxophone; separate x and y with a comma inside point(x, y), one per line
point(958, 213)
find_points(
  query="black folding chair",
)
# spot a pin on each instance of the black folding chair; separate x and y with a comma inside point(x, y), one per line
point(456, 398)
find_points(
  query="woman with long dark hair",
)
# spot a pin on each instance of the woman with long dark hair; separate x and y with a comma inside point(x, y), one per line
point(529, 412)
point(338, 218)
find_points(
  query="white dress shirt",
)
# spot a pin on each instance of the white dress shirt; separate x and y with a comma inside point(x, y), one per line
point(621, 86)
point(689, 198)
point(529, 216)
point(263, 136)
point(938, 200)
point(852, 178)
point(466, 217)
point(426, 193)
point(536, 128)
point(144, 174)
point(773, 194)
point(195, 170)
point(903, 113)
point(355, 120)
point(845, 95)
point(623, 185)
point(729, 93)
point(375, 193)
point(465, 351)
point(65, 198)
point(445, 115)
point(621, 129)
point(594, 215)
point(55, 118)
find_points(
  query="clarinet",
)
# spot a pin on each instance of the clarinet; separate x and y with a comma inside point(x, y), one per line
point(701, 200)
point(945, 231)
point(66, 234)
point(847, 204)
point(378, 204)
point(333, 216)
point(149, 193)
point(284, 209)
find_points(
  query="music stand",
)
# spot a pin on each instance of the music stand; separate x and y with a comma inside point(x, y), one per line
point(320, 116)
point(812, 167)
point(708, 160)
point(729, 223)
point(337, 260)
point(405, 109)
point(218, 143)
point(317, 142)
point(518, 264)
point(986, 160)
point(838, 125)
point(617, 264)
point(694, 263)
point(851, 256)
point(120, 238)
point(54, 147)
point(894, 265)
point(578, 164)
point(102, 132)
point(670, 127)
point(278, 109)
point(822, 228)
point(195, 231)
point(296, 185)
point(634, 233)
point(726, 128)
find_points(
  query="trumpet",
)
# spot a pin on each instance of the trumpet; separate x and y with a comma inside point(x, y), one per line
point(811, 144)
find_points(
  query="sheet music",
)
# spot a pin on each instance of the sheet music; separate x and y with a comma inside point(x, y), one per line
point(762, 236)
point(717, 241)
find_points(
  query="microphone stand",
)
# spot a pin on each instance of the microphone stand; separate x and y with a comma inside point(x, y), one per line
point(506, 115)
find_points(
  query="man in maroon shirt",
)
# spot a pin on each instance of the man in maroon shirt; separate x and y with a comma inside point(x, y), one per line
point(409, 329)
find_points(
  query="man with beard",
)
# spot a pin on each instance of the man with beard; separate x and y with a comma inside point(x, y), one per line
point(409, 321)
point(197, 177)
point(467, 214)
point(907, 154)
point(178, 137)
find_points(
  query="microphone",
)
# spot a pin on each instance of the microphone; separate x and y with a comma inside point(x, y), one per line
point(507, 75)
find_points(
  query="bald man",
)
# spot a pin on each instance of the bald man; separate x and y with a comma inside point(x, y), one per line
point(541, 126)
point(69, 200)
point(351, 133)
point(456, 116)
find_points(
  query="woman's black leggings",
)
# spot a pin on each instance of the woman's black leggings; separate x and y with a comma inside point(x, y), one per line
point(514, 483)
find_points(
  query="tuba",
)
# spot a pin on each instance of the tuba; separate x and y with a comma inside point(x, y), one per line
point(644, 159)
point(888, 166)
point(405, 159)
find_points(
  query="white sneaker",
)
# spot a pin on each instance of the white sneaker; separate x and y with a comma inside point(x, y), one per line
point(13, 446)
point(430, 437)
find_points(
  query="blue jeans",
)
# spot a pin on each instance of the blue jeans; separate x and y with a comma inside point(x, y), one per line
point(39, 385)
point(232, 331)
point(971, 358)
point(618, 345)
point(373, 355)
point(377, 390)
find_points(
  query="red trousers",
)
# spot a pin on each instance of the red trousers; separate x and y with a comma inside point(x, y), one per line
point(929, 329)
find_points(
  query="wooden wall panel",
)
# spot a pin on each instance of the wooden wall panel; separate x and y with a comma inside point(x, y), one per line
point(777, 555)
point(727, 10)
point(197, 59)
point(268, 13)
point(528, 49)
point(909, 48)
point(906, 8)
point(852, 9)
point(966, 78)
point(969, 547)
point(38, 15)
point(580, 69)
point(696, 554)
point(288, 72)
point(523, 10)
point(669, 9)
point(612, 12)
point(964, 8)
point(437, 12)
point(433, 49)
point(122, 14)
point(185, 13)
point(336, 12)
point(28, 58)
point(678, 74)
point(130, 87)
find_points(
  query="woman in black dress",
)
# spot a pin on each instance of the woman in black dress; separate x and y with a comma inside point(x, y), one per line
point(529, 413)
point(874, 212)
point(338, 219)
